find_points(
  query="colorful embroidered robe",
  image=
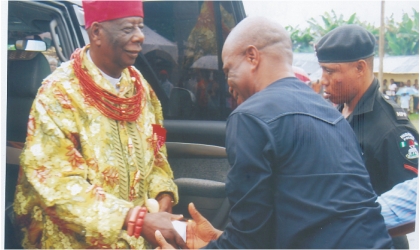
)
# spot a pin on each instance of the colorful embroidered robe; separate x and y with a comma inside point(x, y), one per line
point(81, 172)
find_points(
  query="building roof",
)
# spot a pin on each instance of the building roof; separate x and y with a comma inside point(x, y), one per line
point(392, 64)
point(398, 64)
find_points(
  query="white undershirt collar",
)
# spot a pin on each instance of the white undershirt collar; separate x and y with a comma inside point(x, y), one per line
point(112, 80)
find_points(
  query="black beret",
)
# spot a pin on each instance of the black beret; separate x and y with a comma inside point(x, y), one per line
point(347, 43)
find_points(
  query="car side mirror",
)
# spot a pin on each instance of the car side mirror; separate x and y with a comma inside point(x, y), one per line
point(30, 45)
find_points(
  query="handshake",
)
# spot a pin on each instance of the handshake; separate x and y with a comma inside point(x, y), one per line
point(199, 232)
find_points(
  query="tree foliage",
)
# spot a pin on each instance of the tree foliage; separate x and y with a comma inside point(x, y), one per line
point(401, 38)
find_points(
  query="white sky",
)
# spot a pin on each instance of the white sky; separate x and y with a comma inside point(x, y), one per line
point(297, 12)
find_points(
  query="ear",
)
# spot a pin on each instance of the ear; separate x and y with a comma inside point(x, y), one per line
point(95, 33)
point(252, 55)
point(362, 67)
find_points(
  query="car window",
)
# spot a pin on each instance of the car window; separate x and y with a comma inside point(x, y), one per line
point(183, 46)
point(50, 54)
point(26, 24)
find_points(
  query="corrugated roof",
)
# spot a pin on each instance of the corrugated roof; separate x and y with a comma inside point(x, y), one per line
point(398, 64)
point(392, 64)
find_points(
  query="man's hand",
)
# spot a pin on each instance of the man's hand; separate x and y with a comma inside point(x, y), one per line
point(161, 241)
point(162, 221)
point(199, 230)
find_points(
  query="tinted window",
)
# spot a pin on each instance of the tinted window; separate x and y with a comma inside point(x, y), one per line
point(27, 22)
point(183, 46)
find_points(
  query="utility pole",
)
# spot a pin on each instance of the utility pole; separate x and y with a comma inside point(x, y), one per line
point(381, 47)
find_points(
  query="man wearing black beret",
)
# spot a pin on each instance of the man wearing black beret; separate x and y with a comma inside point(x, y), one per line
point(388, 139)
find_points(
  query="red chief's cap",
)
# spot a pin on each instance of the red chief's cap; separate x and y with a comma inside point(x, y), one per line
point(100, 11)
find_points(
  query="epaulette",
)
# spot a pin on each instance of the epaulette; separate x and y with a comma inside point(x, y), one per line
point(399, 112)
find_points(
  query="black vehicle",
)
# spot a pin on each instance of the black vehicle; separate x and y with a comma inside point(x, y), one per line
point(182, 46)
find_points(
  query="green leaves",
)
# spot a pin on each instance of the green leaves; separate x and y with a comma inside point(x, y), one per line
point(302, 39)
point(403, 38)
point(400, 38)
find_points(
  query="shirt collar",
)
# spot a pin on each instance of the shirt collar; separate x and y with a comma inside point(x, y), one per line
point(365, 103)
point(112, 80)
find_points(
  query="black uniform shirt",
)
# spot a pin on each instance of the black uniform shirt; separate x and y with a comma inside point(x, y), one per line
point(297, 178)
point(388, 139)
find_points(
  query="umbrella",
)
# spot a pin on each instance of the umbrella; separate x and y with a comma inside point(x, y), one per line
point(206, 62)
point(407, 91)
point(155, 42)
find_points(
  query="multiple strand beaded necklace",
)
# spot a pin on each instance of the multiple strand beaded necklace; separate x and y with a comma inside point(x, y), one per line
point(109, 104)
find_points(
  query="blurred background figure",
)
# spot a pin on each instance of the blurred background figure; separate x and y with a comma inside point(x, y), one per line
point(167, 86)
point(404, 93)
point(208, 95)
point(385, 86)
point(392, 89)
point(191, 81)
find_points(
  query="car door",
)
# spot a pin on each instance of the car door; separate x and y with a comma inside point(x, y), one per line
point(48, 23)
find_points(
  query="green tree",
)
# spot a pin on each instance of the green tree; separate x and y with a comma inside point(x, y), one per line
point(403, 38)
point(329, 22)
point(400, 39)
point(302, 39)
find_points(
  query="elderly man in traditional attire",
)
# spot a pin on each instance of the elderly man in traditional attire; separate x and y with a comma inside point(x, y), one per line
point(95, 151)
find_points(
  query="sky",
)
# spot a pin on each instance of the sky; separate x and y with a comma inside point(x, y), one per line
point(297, 12)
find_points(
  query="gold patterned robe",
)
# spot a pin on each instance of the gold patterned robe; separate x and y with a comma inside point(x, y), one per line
point(81, 172)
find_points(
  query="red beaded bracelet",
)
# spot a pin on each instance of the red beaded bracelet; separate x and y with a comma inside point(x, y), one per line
point(132, 220)
point(139, 222)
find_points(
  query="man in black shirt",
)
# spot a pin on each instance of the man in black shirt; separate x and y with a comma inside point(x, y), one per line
point(388, 139)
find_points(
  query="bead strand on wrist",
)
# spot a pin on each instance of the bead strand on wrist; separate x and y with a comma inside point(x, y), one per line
point(136, 220)
point(140, 221)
